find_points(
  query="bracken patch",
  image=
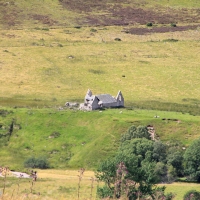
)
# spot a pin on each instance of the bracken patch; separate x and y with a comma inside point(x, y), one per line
point(144, 31)
point(108, 13)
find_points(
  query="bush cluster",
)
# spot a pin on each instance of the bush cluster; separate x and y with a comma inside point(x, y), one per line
point(192, 195)
point(40, 162)
point(141, 162)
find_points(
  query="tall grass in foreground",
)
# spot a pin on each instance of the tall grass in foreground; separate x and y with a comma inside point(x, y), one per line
point(50, 185)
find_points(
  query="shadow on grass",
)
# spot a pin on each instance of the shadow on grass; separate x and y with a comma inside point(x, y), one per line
point(191, 107)
point(35, 103)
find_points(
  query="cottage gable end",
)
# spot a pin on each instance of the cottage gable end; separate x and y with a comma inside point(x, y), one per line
point(120, 99)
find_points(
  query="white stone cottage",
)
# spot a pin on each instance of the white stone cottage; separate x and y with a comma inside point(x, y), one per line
point(93, 102)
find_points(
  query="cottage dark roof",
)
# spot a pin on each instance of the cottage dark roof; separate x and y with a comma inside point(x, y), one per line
point(106, 98)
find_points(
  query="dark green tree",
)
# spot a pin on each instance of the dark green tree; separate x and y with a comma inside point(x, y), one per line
point(144, 164)
point(136, 132)
point(192, 160)
point(136, 155)
point(175, 158)
point(159, 152)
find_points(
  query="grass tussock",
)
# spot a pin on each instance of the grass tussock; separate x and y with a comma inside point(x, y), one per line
point(51, 184)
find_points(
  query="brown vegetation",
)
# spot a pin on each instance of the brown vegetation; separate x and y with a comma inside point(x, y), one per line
point(104, 13)
point(143, 31)
point(44, 19)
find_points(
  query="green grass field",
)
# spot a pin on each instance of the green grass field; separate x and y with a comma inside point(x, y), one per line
point(75, 139)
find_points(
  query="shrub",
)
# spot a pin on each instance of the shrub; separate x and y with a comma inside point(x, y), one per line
point(192, 195)
point(78, 27)
point(169, 196)
point(136, 132)
point(93, 30)
point(42, 163)
point(32, 162)
point(173, 25)
point(159, 194)
point(103, 192)
point(118, 39)
point(149, 24)
point(45, 29)
point(60, 45)
point(170, 40)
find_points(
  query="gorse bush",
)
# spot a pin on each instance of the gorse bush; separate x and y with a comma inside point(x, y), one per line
point(41, 163)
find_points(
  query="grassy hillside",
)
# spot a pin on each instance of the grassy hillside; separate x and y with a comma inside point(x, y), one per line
point(71, 138)
point(53, 51)
point(50, 67)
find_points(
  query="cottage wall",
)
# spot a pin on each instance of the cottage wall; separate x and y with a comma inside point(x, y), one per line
point(120, 99)
point(95, 104)
point(120, 103)
point(108, 105)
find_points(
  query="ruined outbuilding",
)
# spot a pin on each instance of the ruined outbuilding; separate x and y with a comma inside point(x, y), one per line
point(93, 102)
